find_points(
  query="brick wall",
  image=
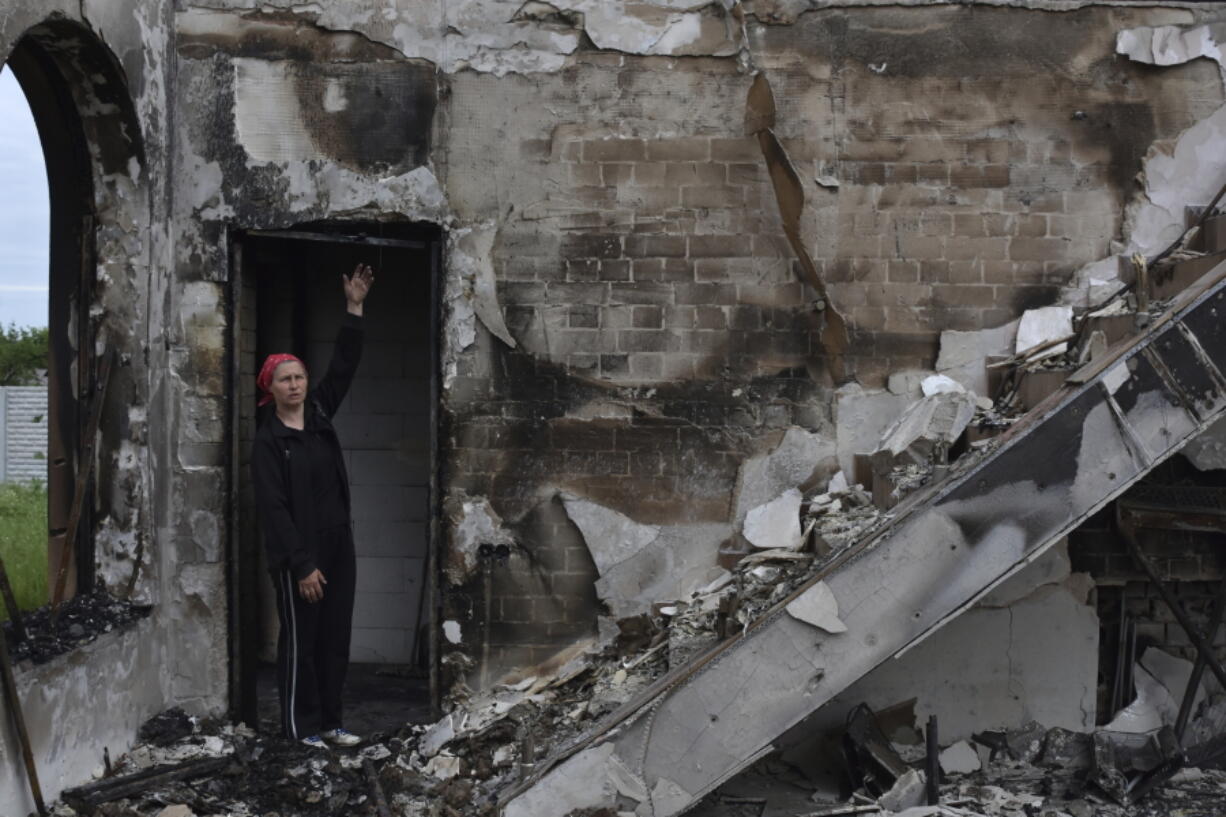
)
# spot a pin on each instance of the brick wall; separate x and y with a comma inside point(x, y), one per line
point(970, 160)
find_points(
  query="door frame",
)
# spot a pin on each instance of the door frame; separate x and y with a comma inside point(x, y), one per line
point(243, 563)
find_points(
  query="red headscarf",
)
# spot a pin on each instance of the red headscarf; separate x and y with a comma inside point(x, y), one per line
point(264, 379)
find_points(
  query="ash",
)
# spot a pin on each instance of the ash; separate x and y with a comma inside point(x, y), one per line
point(82, 620)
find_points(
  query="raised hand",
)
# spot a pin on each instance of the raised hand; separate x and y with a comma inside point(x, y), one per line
point(357, 287)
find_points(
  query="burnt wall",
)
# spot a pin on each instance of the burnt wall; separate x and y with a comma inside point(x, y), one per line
point(959, 165)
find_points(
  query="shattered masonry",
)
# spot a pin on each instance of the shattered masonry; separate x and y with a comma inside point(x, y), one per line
point(696, 261)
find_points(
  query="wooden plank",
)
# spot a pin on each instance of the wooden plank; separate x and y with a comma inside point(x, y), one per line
point(84, 470)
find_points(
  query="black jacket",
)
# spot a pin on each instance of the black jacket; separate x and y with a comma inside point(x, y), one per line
point(281, 469)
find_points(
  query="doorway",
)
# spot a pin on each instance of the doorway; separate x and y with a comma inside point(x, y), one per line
point(287, 297)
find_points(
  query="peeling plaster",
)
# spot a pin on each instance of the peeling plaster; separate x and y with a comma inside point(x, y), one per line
point(1170, 45)
point(488, 36)
point(472, 256)
point(473, 522)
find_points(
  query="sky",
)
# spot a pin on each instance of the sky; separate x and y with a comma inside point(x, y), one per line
point(24, 211)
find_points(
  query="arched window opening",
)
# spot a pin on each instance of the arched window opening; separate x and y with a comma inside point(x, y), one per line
point(24, 359)
point(86, 124)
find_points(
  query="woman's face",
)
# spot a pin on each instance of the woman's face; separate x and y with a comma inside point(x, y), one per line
point(289, 384)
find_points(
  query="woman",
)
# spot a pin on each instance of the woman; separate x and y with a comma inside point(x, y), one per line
point(302, 498)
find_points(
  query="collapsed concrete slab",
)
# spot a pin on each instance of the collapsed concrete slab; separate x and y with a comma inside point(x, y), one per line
point(946, 547)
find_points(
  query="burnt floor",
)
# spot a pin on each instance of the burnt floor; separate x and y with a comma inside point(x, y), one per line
point(378, 698)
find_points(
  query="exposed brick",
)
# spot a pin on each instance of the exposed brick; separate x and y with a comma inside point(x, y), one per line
point(591, 245)
point(641, 293)
point(583, 316)
point(716, 246)
point(687, 148)
point(582, 269)
point(901, 173)
point(963, 249)
point(712, 197)
point(647, 340)
point(616, 174)
point(614, 150)
point(1038, 249)
point(963, 295)
point(691, 173)
point(921, 246)
point(903, 272)
point(647, 317)
point(996, 176)
point(612, 365)
point(932, 173)
point(646, 365)
point(705, 293)
point(615, 270)
point(966, 272)
point(586, 175)
point(660, 246)
point(735, 150)
point(710, 317)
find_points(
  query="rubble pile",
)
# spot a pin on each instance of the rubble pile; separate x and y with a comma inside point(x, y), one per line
point(81, 620)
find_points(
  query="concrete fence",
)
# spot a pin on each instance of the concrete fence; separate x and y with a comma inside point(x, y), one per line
point(23, 433)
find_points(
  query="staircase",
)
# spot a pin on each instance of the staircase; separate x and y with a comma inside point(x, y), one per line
point(1113, 421)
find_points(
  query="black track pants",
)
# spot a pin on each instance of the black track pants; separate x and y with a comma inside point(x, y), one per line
point(313, 645)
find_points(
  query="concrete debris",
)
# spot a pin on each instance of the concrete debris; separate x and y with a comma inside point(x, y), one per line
point(798, 458)
point(1152, 707)
point(932, 424)
point(176, 810)
point(939, 384)
point(775, 524)
point(1040, 327)
point(960, 758)
point(908, 792)
point(818, 606)
point(964, 355)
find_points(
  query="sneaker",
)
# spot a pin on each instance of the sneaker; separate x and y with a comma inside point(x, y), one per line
point(340, 737)
point(314, 742)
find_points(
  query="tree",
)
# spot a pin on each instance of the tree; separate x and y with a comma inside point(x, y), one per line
point(24, 354)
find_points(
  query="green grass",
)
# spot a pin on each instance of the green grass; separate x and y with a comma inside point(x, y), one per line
point(23, 542)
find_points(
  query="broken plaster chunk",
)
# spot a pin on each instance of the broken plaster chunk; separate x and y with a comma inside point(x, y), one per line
point(907, 792)
point(611, 537)
point(443, 766)
point(789, 465)
point(474, 522)
point(1169, 45)
point(451, 631)
point(819, 607)
point(838, 484)
point(959, 759)
point(1044, 325)
point(775, 524)
point(939, 384)
point(472, 255)
point(913, 438)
